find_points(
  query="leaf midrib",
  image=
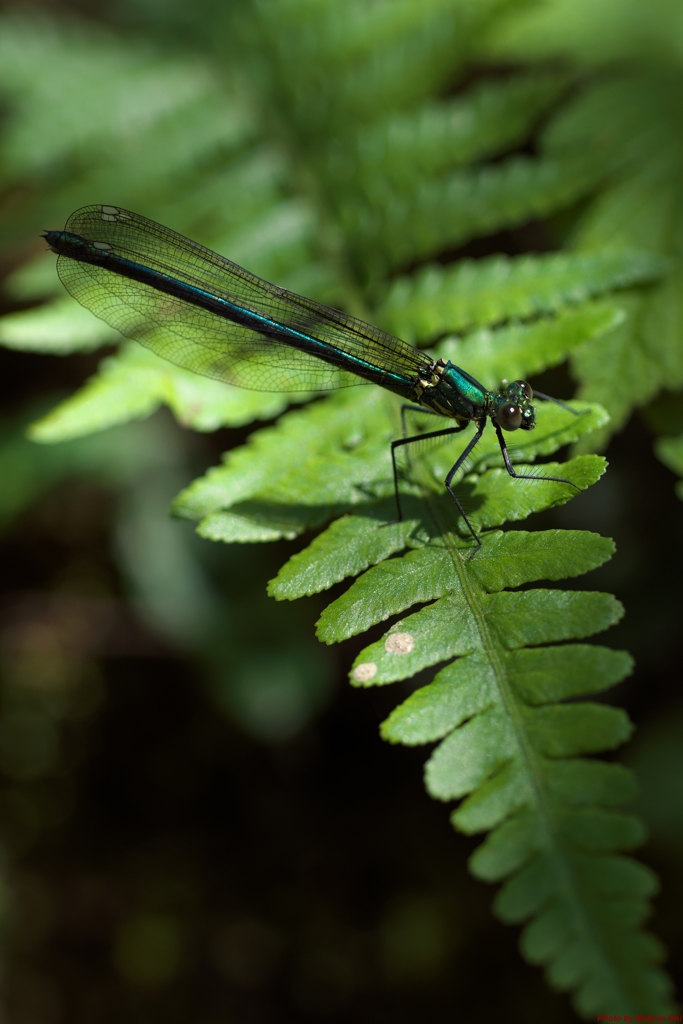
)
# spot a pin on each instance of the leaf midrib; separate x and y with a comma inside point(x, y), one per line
point(491, 649)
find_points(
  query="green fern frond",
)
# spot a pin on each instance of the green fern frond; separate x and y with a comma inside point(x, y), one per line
point(32, 54)
point(61, 88)
point(628, 116)
point(588, 33)
point(338, 151)
point(509, 743)
point(522, 350)
point(134, 383)
point(488, 291)
point(629, 365)
point(670, 451)
point(352, 34)
point(491, 117)
point(628, 368)
point(399, 227)
point(335, 69)
point(333, 457)
point(628, 119)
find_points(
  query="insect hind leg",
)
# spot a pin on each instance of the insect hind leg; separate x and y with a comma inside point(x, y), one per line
point(415, 408)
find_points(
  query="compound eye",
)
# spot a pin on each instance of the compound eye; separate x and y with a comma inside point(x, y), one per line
point(526, 388)
point(509, 416)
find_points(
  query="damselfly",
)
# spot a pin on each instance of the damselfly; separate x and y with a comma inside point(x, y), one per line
point(206, 314)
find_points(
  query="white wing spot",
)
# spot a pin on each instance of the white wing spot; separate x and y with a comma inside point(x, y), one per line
point(110, 213)
point(399, 643)
point(101, 245)
point(365, 672)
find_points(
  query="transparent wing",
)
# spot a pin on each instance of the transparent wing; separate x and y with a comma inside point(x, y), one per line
point(205, 342)
point(194, 338)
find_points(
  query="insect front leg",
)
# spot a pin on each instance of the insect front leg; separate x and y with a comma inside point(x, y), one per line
point(557, 401)
point(526, 476)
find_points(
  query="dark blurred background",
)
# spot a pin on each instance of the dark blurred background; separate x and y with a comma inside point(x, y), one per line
point(199, 821)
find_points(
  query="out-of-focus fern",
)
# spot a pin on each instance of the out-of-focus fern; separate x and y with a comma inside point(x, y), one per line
point(628, 117)
point(325, 156)
point(489, 118)
point(670, 451)
point(488, 291)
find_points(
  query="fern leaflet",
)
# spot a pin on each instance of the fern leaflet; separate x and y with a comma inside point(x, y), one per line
point(510, 745)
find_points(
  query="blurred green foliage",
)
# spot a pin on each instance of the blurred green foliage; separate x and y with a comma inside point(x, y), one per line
point(337, 149)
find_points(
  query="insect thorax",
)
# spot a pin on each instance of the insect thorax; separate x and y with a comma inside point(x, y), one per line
point(449, 391)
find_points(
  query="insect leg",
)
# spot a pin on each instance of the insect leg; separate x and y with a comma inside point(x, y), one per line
point(454, 469)
point(415, 408)
point(557, 401)
point(527, 476)
point(410, 440)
